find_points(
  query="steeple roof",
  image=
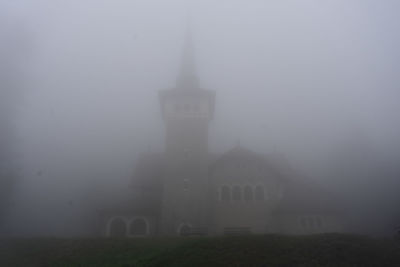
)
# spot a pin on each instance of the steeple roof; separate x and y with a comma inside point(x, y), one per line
point(187, 87)
point(187, 78)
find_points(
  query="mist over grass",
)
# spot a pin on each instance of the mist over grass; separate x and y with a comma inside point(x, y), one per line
point(266, 250)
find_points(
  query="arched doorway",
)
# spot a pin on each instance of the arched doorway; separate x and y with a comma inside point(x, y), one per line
point(118, 228)
point(138, 227)
point(184, 229)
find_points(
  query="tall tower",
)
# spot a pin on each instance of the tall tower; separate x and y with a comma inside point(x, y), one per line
point(187, 110)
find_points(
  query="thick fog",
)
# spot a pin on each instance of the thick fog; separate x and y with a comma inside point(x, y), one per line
point(317, 81)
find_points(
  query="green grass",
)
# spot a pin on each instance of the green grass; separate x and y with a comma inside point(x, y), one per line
point(263, 250)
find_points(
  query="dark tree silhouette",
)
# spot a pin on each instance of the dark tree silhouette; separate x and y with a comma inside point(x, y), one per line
point(12, 55)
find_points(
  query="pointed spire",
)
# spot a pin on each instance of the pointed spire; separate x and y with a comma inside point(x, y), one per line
point(238, 143)
point(187, 78)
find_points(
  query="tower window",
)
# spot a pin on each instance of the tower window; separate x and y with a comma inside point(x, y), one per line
point(237, 193)
point(225, 193)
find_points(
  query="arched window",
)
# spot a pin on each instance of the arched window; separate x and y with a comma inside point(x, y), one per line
point(225, 193)
point(118, 228)
point(259, 193)
point(237, 193)
point(248, 193)
point(138, 227)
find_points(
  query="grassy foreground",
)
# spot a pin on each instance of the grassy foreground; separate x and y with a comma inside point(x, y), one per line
point(265, 250)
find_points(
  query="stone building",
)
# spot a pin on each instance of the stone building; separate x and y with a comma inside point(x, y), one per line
point(187, 191)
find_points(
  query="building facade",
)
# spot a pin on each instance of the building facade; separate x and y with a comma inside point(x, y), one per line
point(187, 191)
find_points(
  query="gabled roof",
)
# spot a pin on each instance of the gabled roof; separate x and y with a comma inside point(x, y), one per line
point(240, 155)
point(300, 194)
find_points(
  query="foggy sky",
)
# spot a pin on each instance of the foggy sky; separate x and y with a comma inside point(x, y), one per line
point(296, 76)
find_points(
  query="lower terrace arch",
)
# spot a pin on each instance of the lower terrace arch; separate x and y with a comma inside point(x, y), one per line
point(184, 229)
